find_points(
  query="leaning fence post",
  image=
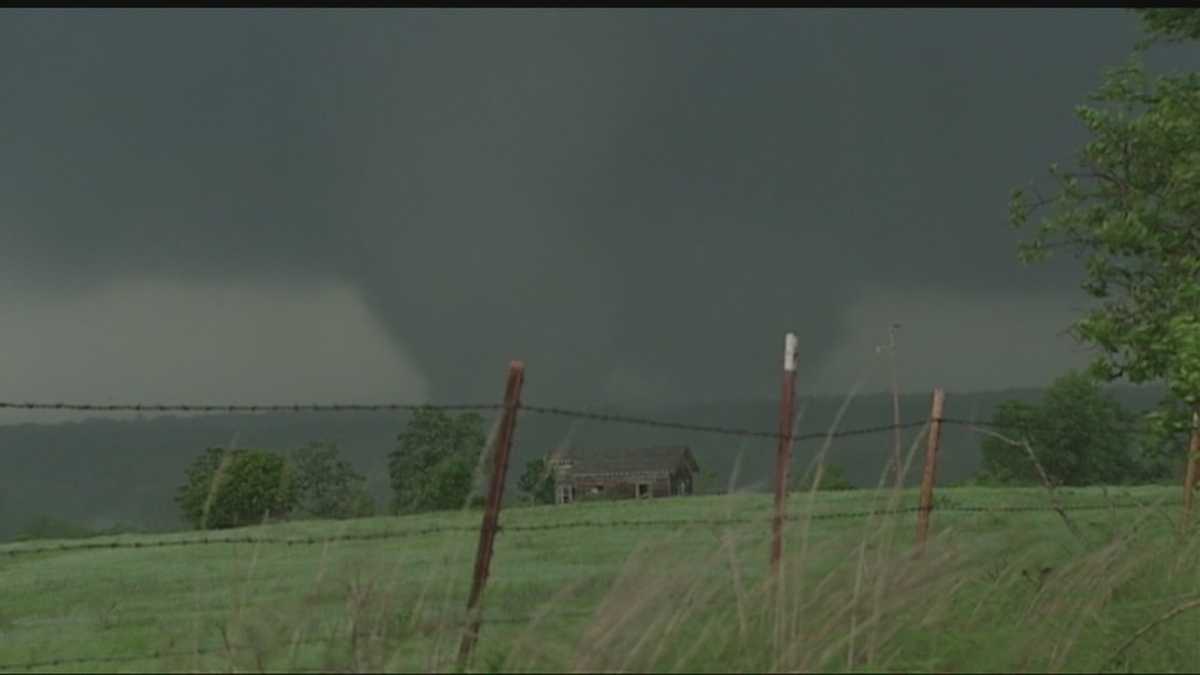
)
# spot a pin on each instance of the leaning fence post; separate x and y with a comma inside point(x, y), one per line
point(783, 453)
point(491, 514)
point(1193, 468)
point(930, 475)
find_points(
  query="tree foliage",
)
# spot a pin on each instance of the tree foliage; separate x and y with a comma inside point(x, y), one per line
point(1080, 434)
point(232, 488)
point(328, 486)
point(1172, 24)
point(1130, 209)
point(434, 464)
point(537, 483)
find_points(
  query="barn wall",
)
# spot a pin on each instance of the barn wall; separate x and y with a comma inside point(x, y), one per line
point(613, 489)
point(621, 487)
point(662, 487)
point(685, 477)
point(622, 484)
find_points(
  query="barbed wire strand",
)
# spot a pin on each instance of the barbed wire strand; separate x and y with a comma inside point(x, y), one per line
point(542, 527)
point(449, 623)
point(804, 436)
point(704, 428)
point(1031, 427)
point(133, 658)
point(546, 410)
point(391, 407)
point(208, 541)
point(248, 408)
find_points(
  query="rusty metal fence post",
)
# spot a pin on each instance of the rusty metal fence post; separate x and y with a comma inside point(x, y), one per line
point(491, 513)
point(930, 475)
point(783, 454)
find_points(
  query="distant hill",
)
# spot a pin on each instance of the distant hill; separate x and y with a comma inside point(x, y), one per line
point(102, 472)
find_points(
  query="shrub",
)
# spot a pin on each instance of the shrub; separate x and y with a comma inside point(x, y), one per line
point(1080, 436)
point(328, 486)
point(433, 466)
point(232, 488)
point(537, 482)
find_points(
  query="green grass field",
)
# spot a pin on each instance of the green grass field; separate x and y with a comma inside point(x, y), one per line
point(658, 585)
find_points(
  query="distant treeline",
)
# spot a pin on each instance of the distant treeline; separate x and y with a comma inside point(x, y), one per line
point(96, 475)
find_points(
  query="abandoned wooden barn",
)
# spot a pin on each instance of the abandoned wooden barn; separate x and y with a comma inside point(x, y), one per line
point(622, 473)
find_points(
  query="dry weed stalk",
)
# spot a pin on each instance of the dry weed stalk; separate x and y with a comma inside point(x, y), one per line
point(819, 462)
point(1174, 612)
point(1055, 502)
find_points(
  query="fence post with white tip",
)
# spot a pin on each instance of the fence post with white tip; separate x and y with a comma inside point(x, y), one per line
point(783, 453)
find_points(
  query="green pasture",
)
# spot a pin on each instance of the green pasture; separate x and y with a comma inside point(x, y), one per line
point(679, 584)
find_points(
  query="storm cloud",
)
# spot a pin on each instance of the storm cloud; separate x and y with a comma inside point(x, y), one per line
point(636, 203)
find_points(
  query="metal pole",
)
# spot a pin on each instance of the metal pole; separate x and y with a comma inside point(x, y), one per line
point(491, 514)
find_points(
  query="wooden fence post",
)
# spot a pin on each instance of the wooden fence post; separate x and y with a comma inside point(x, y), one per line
point(491, 513)
point(930, 475)
point(1192, 469)
point(783, 454)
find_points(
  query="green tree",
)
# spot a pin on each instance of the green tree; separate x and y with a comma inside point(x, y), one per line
point(1128, 209)
point(328, 486)
point(1080, 434)
point(232, 488)
point(537, 482)
point(1171, 25)
point(434, 464)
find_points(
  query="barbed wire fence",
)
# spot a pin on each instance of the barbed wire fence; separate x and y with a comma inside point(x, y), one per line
point(538, 409)
point(491, 525)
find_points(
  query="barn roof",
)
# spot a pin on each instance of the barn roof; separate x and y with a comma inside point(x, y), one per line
point(625, 460)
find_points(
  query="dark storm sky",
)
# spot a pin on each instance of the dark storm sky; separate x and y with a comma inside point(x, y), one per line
point(365, 205)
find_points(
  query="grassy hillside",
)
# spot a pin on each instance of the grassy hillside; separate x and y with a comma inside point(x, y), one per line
point(673, 584)
point(104, 472)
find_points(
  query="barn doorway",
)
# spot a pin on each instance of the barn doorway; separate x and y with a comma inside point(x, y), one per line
point(566, 494)
point(643, 490)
